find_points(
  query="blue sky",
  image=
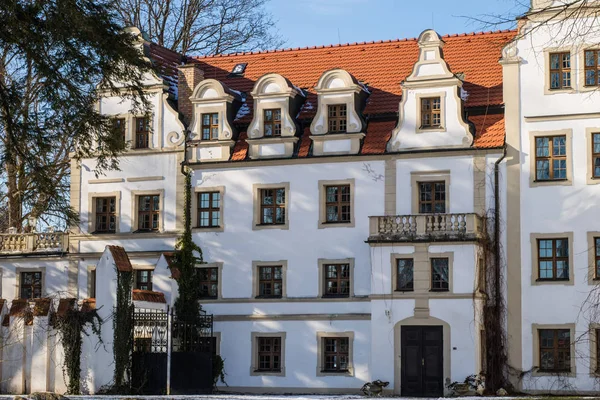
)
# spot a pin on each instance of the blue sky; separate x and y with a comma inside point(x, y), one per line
point(316, 22)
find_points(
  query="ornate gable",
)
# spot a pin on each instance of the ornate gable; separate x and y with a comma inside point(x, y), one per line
point(431, 111)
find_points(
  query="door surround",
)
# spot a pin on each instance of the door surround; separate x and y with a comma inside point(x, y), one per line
point(413, 321)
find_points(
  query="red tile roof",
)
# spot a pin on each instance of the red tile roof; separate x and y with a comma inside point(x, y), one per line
point(121, 258)
point(65, 305)
point(88, 305)
point(149, 296)
point(165, 61)
point(381, 66)
point(41, 307)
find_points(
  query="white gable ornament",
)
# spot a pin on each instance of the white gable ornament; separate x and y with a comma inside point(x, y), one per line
point(431, 78)
point(272, 92)
point(338, 87)
point(213, 97)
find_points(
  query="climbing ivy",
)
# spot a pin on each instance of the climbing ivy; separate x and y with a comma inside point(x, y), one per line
point(71, 326)
point(187, 305)
point(123, 326)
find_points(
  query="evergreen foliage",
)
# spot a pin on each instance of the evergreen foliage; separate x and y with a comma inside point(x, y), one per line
point(187, 305)
point(123, 328)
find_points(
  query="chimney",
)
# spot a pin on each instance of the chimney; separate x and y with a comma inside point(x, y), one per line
point(189, 76)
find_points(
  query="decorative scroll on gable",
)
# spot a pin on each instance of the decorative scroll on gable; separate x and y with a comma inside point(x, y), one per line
point(338, 127)
point(431, 111)
point(272, 132)
point(214, 108)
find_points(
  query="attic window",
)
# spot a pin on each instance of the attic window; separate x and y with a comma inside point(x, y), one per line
point(238, 69)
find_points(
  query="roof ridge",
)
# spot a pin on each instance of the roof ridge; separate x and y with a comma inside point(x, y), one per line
point(326, 46)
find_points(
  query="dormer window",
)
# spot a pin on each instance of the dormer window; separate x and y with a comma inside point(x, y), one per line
point(431, 111)
point(560, 70)
point(272, 122)
point(337, 119)
point(210, 126)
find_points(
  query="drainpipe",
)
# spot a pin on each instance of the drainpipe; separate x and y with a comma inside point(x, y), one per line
point(184, 162)
point(497, 221)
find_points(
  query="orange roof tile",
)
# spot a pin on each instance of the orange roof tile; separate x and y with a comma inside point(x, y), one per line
point(148, 295)
point(88, 305)
point(121, 258)
point(41, 307)
point(381, 66)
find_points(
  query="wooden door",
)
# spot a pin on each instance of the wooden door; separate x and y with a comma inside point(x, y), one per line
point(422, 357)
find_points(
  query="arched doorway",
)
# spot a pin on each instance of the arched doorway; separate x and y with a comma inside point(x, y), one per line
point(422, 357)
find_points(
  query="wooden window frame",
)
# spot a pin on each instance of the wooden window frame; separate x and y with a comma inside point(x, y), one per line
point(437, 282)
point(430, 112)
point(556, 349)
point(151, 213)
point(595, 68)
point(138, 276)
point(551, 158)
point(107, 214)
point(255, 369)
point(337, 118)
point(39, 285)
point(595, 155)
point(340, 342)
point(210, 209)
point(260, 290)
point(274, 123)
point(210, 126)
point(122, 129)
point(433, 202)
point(560, 70)
point(208, 293)
point(142, 136)
point(274, 342)
point(554, 259)
point(339, 279)
point(339, 202)
point(263, 193)
point(411, 286)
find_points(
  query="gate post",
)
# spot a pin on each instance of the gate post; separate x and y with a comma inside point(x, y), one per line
point(169, 349)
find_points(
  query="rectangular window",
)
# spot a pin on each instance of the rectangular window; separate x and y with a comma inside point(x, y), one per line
point(209, 209)
point(592, 67)
point(118, 126)
point(550, 158)
point(432, 197)
point(270, 282)
point(431, 112)
point(404, 275)
point(148, 212)
point(142, 132)
point(336, 354)
point(92, 293)
point(272, 206)
point(597, 350)
point(337, 280)
point(597, 256)
point(209, 283)
point(553, 259)
point(31, 285)
point(596, 155)
point(440, 275)
point(337, 204)
point(560, 70)
point(210, 126)
point(555, 350)
point(143, 279)
point(269, 354)
point(106, 218)
point(337, 118)
point(272, 122)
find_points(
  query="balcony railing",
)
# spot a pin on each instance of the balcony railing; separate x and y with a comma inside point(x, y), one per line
point(426, 227)
point(37, 242)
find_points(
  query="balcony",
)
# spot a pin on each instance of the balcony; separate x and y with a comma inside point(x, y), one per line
point(37, 242)
point(426, 228)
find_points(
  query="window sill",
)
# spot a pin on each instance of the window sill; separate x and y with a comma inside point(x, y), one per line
point(404, 290)
point(103, 232)
point(550, 180)
point(269, 297)
point(336, 222)
point(439, 290)
point(335, 296)
point(340, 372)
point(556, 280)
point(146, 231)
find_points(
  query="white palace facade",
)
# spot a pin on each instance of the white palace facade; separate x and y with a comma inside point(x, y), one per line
point(345, 198)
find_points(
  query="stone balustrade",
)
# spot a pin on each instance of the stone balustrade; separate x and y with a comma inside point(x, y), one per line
point(37, 242)
point(426, 227)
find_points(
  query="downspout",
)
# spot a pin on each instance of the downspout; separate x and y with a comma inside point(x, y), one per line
point(184, 163)
point(497, 257)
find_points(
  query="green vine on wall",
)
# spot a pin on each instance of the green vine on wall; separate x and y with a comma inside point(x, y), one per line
point(123, 327)
point(71, 326)
point(187, 305)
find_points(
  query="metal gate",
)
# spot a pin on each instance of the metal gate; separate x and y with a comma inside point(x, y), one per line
point(170, 356)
